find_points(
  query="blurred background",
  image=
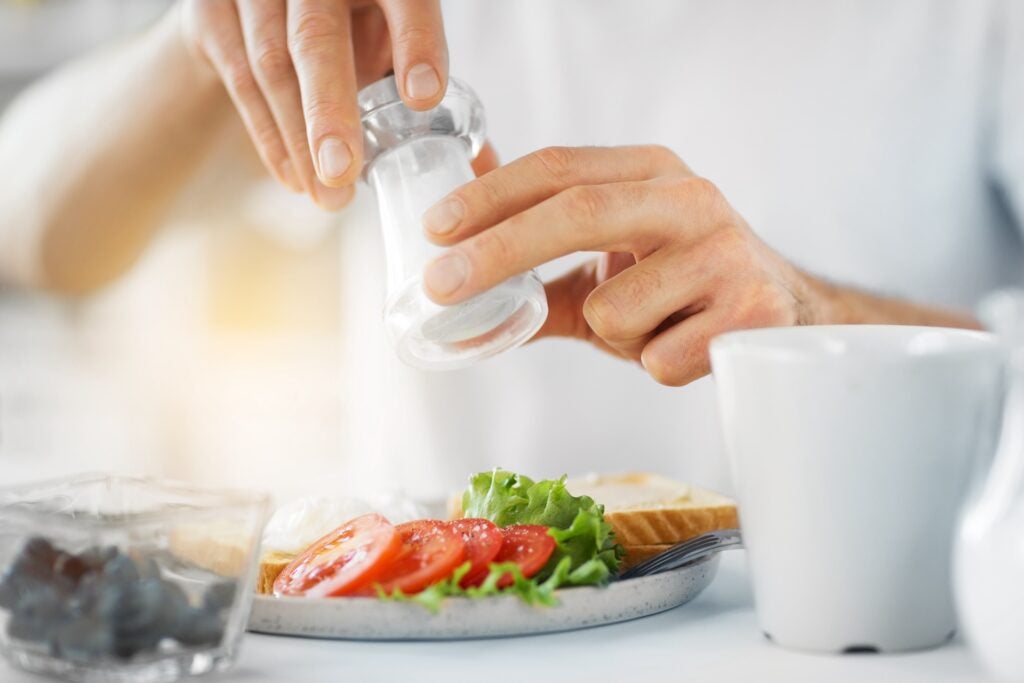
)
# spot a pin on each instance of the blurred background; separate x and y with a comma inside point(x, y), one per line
point(223, 340)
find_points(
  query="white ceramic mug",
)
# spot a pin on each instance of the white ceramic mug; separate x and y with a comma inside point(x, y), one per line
point(851, 448)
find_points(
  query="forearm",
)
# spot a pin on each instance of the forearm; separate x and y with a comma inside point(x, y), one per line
point(837, 305)
point(93, 155)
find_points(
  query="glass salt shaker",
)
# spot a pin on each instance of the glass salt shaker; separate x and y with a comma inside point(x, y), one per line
point(413, 159)
point(989, 556)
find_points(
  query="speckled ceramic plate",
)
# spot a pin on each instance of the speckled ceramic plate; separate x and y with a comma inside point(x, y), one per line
point(372, 619)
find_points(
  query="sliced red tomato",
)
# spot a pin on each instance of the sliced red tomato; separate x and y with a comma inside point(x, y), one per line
point(431, 550)
point(483, 540)
point(350, 556)
point(529, 546)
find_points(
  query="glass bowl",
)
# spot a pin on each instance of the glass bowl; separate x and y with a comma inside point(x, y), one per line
point(106, 578)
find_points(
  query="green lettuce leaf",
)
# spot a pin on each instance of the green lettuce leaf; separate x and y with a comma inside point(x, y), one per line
point(576, 522)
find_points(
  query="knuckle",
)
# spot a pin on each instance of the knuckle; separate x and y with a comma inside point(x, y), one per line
point(266, 137)
point(706, 194)
point(485, 192)
point(702, 187)
point(664, 158)
point(312, 30)
point(675, 188)
point(691, 190)
point(323, 113)
point(418, 38)
point(617, 303)
point(494, 248)
point(730, 243)
point(238, 77)
point(764, 305)
point(584, 203)
point(273, 63)
point(557, 162)
point(644, 283)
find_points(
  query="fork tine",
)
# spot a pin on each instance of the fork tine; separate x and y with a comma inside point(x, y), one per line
point(685, 552)
point(668, 558)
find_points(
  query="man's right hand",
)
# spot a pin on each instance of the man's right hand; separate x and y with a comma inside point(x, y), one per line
point(293, 69)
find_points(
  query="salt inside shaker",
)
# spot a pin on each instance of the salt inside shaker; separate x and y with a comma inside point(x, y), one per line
point(412, 160)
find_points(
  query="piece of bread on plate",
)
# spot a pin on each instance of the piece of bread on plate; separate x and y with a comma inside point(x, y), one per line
point(648, 510)
point(271, 564)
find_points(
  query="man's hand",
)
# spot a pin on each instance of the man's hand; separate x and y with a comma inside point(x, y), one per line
point(681, 266)
point(293, 69)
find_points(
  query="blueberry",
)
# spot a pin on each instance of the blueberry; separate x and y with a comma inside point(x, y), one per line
point(109, 595)
point(200, 627)
point(148, 568)
point(24, 627)
point(132, 612)
point(8, 589)
point(175, 609)
point(86, 595)
point(83, 639)
point(37, 613)
point(127, 644)
point(219, 596)
point(141, 606)
point(121, 569)
point(28, 566)
point(40, 551)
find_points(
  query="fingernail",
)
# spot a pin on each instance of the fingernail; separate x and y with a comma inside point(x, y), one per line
point(335, 157)
point(289, 177)
point(443, 218)
point(446, 274)
point(422, 82)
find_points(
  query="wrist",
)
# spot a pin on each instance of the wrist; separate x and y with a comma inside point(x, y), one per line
point(820, 302)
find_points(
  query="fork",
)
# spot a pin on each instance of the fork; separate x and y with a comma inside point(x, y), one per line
point(685, 552)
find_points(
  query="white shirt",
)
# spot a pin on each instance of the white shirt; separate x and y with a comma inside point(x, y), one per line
point(876, 144)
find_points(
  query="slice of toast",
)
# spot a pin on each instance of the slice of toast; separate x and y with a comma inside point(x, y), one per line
point(651, 510)
point(271, 564)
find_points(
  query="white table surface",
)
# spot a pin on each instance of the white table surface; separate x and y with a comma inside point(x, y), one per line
point(714, 638)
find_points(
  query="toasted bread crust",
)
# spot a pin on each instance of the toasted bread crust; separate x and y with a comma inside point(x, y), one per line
point(453, 506)
point(271, 565)
point(669, 526)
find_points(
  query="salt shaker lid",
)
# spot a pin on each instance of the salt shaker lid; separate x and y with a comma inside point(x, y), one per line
point(387, 122)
